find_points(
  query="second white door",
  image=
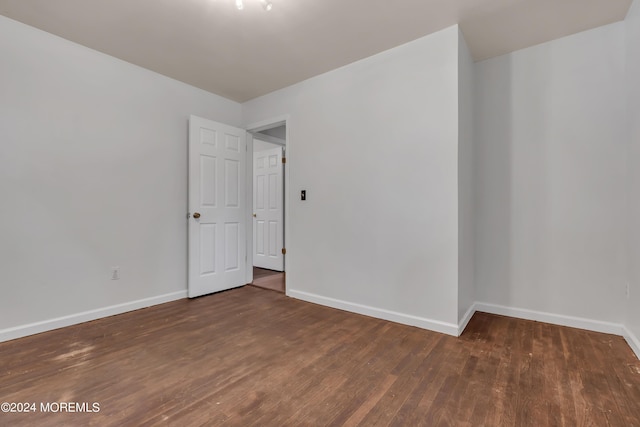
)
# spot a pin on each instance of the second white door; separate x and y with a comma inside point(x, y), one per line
point(268, 218)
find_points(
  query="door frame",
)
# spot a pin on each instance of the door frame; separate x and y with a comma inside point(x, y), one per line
point(251, 129)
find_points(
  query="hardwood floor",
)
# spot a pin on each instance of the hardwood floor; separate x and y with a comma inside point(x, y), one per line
point(250, 357)
point(269, 279)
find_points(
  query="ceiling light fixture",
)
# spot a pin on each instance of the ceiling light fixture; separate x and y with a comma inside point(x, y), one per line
point(266, 4)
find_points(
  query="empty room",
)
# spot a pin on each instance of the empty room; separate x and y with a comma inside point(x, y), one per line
point(313, 213)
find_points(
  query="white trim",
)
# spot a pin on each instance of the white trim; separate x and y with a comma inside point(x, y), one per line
point(462, 324)
point(86, 316)
point(248, 272)
point(393, 316)
point(556, 319)
point(632, 340)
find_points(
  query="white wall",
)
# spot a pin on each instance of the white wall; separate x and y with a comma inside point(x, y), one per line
point(550, 159)
point(93, 174)
point(466, 203)
point(374, 144)
point(259, 145)
point(278, 132)
point(632, 23)
point(399, 181)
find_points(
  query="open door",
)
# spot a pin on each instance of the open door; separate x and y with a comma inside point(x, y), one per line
point(217, 207)
point(268, 209)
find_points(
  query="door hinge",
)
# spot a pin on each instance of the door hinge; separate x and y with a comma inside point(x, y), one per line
point(284, 160)
point(284, 251)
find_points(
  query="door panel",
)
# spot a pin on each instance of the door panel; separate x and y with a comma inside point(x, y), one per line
point(208, 181)
point(273, 238)
point(216, 195)
point(207, 249)
point(231, 239)
point(268, 209)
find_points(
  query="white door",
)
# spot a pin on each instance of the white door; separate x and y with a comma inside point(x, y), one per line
point(268, 215)
point(217, 207)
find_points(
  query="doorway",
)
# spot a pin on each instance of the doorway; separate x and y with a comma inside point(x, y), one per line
point(268, 206)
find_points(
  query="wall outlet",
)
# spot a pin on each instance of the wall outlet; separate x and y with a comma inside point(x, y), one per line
point(115, 273)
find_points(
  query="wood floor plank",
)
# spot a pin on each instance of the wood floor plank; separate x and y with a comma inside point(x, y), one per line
point(254, 357)
point(269, 279)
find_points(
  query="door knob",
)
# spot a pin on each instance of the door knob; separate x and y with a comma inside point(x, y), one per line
point(196, 215)
point(255, 215)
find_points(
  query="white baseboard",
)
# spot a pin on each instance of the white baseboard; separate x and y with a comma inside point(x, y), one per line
point(465, 319)
point(555, 319)
point(393, 316)
point(633, 341)
point(86, 316)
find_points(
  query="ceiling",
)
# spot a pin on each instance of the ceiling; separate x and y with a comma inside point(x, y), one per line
point(244, 54)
